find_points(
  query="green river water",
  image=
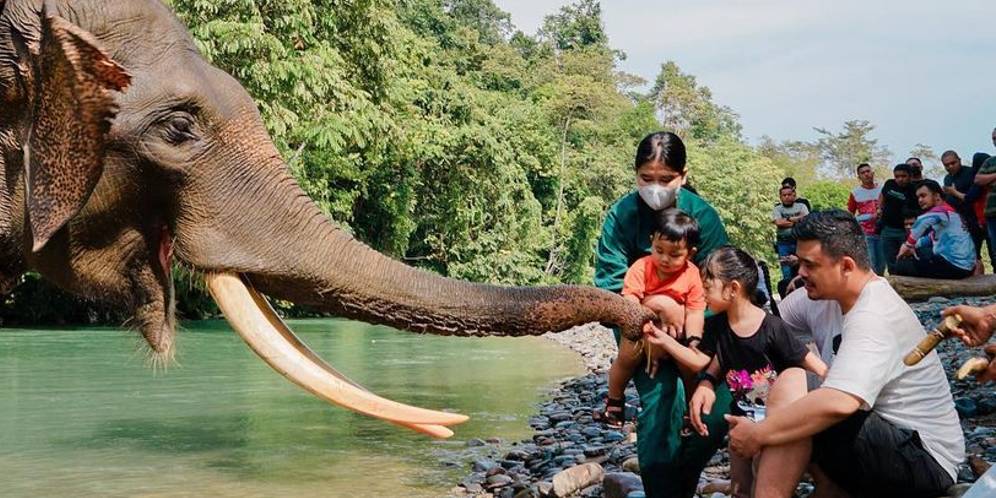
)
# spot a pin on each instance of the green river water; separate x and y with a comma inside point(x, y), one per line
point(81, 414)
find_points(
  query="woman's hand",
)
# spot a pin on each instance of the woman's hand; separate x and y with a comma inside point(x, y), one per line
point(701, 403)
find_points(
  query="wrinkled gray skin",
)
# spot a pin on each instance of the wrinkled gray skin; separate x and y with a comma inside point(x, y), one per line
point(180, 154)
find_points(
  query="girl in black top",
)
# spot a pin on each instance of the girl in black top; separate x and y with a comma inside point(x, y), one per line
point(749, 347)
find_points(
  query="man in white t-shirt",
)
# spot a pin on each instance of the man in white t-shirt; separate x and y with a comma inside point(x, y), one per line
point(876, 427)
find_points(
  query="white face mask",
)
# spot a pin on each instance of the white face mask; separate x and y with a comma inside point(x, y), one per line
point(657, 196)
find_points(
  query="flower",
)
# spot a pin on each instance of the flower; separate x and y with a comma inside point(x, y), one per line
point(739, 381)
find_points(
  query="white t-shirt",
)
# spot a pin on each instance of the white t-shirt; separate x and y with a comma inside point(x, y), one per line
point(878, 331)
point(819, 321)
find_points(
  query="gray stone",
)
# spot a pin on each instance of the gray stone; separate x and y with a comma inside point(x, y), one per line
point(576, 478)
point(475, 442)
point(483, 465)
point(621, 484)
point(493, 440)
point(499, 480)
point(613, 436)
point(966, 407)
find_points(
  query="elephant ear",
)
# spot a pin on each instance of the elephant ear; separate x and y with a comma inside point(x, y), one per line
point(72, 116)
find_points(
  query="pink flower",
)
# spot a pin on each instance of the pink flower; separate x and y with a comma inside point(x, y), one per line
point(739, 380)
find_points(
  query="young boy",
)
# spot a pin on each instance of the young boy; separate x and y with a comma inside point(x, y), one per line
point(785, 215)
point(668, 283)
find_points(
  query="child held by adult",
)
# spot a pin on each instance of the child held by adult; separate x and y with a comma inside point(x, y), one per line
point(750, 348)
point(668, 283)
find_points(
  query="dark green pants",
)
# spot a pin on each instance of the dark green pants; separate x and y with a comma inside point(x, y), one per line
point(670, 465)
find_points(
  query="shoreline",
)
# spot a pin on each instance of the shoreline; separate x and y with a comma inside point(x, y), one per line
point(570, 454)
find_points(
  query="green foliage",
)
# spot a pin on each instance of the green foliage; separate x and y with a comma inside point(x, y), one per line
point(826, 194)
point(742, 185)
point(844, 151)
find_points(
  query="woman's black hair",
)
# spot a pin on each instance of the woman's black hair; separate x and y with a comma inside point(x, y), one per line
point(728, 264)
point(664, 147)
point(931, 185)
point(675, 225)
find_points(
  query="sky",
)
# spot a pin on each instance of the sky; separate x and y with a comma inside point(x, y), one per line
point(921, 71)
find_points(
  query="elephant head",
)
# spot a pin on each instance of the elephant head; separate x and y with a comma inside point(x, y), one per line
point(123, 148)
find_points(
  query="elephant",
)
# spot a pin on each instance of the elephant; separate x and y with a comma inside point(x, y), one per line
point(123, 150)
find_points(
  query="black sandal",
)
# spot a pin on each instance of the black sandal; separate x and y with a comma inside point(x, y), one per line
point(613, 414)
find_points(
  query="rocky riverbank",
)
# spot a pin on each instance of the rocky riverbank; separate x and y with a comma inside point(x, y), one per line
point(572, 455)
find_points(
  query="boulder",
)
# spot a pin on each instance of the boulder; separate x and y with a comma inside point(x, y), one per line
point(621, 484)
point(575, 478)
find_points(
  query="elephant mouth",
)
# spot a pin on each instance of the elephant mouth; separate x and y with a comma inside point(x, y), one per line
point(252, 317)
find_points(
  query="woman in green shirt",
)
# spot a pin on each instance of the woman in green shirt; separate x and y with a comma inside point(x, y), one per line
point(670, 462)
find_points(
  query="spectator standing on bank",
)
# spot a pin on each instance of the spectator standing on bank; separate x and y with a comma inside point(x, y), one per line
point(984, 178)
point(897, 198)
point(863, 204)
point(790, 182)
point(916, 169)
point(958, 182)
point(785, 215)
point(977, 199)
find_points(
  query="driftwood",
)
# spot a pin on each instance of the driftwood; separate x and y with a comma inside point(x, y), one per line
point(921, 289)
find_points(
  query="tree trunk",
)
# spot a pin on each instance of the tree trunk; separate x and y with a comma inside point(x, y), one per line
point(921, 289)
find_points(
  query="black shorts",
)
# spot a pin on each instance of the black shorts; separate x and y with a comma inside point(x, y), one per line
point(868, 456)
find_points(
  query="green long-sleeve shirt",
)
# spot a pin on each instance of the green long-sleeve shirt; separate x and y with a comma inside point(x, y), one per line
point(627, 229)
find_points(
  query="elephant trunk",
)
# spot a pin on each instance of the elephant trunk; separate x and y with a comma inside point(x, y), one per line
point(290, 250)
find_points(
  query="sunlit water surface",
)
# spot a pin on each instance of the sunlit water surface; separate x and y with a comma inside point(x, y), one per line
point(81, 414)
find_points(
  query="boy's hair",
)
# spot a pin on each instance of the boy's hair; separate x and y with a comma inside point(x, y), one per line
point(675, 225)
point(909, 212)
point(838, 233)
point(904, 168)
point(930, 185)
point(860, 166)
point(788, 182)
point(728, 264)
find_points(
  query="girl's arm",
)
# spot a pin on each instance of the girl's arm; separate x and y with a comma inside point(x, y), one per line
point(690, 358)
point(703, 398)
point(814, 364)
point(694, 323)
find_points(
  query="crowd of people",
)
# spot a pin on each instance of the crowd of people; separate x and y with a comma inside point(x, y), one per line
point(821, 387)
point(913, 226)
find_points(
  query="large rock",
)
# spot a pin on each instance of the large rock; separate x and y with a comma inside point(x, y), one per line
point(576, 478)
point(621, 484)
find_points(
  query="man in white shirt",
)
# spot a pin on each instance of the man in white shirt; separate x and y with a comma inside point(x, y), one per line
point(876, 427)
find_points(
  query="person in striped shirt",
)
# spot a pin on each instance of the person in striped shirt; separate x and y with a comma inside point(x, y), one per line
point(863, 204)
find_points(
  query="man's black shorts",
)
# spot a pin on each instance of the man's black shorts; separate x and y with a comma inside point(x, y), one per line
point(868, 456)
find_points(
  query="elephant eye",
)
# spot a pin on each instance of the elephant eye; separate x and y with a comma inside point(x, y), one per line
point(179, 129)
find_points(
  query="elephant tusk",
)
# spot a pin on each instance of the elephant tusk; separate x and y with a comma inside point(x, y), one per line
point(284, 352)
point(436, 431)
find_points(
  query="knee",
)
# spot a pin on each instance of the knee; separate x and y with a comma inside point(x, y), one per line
point(666, 307)
point(788, 387)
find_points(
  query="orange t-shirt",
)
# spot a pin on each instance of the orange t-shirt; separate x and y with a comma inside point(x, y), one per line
point(685, 286)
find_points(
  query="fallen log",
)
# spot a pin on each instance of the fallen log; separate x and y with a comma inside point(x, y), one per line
point(921, 289)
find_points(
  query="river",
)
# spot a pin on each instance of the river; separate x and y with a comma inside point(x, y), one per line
point(82, 414)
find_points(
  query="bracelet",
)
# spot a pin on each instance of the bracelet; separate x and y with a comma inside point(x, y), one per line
point(709, 377)
point(687, 341)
